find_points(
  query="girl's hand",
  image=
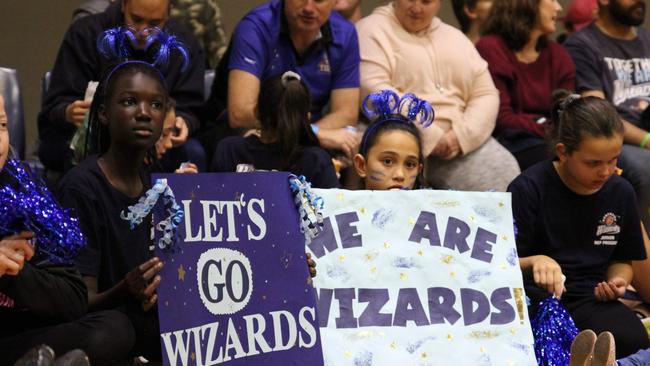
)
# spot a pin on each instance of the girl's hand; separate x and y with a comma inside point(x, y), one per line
point(187, 168)
point(548, 274)
point(610, 290)
point(15, 250)
point(142, 282)
point(180, 133)
point(312, 265)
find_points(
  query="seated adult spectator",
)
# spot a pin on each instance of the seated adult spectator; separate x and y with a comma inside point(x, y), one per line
point(78, 62)
point(526, 68)
point(471, 14)
point(406, 48)
point(350, 9)
point(203, 17)
point(306, 37)
point(612, 56)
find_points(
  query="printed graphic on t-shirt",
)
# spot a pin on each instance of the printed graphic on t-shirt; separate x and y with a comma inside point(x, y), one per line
point(324, 64)
point(608, 230)
point(631, 82)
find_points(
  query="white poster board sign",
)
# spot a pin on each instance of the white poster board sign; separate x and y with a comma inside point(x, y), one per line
point(420, 278)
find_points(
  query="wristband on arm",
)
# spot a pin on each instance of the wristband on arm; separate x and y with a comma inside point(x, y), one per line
point(645, 139)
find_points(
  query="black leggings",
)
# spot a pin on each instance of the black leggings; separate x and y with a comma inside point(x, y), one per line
point(107, 337)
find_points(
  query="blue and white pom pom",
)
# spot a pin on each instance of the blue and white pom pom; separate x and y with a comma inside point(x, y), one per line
point(169, 225)
point(309, 205)
point(553, 330)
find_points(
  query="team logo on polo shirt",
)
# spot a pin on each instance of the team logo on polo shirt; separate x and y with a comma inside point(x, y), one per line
point(607, 230)
point(324, 64)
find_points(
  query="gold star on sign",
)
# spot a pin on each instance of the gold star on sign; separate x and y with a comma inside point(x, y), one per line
point(386, 245)
point(452, 274)
point(393, 345)
point(403, 276)
point(193, 356)
point(411, 222)
point(373, 270)
point(362, 210)
point(181, 273)
point(504, 238)
point(447, 259)
point(502, 205)
point(348, 354)
point(420, 253)
point(340, 197)
point(341, 258)
point(424, 355)
point(450, 337)
point(483, 350)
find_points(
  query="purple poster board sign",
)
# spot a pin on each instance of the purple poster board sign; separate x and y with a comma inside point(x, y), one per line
point(236, 289)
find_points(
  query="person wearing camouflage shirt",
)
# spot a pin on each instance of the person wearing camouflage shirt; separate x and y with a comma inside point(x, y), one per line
point(202, 17)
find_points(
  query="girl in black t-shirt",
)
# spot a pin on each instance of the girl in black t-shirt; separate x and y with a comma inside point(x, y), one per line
point(577, 220)
point(125, 122)
point(286, 140)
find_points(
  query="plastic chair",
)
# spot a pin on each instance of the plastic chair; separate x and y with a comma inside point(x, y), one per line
point(10, 89)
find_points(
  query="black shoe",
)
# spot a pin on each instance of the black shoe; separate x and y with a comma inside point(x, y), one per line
point(38, 356)
point(76, 357)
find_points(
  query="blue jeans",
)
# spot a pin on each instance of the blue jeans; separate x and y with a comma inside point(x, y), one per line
point(641, 358)
point(635, 163)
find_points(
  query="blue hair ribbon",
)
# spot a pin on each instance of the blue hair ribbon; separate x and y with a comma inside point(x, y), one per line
point(118, 43)
point(114, 43)
point(146, 203)
point(386, 105)
point(167, 43)
point(309, 206)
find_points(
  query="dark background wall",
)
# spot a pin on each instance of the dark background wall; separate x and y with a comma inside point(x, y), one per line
point(31, 31)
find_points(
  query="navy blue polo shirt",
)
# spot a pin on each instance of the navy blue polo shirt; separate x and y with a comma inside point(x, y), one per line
point(262, 47)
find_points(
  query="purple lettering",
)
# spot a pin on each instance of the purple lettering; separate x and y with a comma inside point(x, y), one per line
point(324, 240)
point(441, 305)
point(483, 245)
point(376, 299)
point(324, 306)
point(456, 235)
point(426, 228)
point(469, 297)
point(499, 300)
point(349, 236)
point(346, 317)
point(408, 308)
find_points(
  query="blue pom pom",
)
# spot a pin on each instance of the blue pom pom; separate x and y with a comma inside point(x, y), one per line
point(554, 331)
point(29, 206)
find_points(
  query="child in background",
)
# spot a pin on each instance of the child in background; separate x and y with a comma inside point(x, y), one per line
point(390, 154)
point(42, 296)
point(578, 219)
point(286, 141)
point(126, 121)
point(165, 142)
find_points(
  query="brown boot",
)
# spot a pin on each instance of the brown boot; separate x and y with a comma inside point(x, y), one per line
point(582, 348)
point(604, 350)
